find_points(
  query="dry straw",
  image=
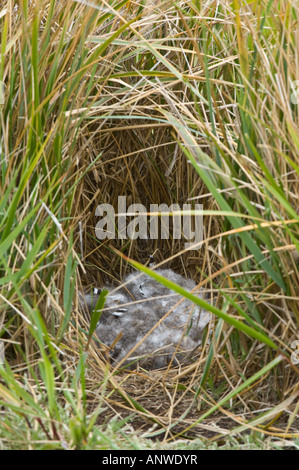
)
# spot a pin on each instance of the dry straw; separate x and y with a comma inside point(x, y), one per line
point(161, 102)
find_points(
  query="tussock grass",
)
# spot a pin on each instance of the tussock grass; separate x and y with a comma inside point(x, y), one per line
point(161, 102)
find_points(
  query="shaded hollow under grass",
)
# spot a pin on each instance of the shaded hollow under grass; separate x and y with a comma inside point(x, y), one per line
point(163, 102)
point(139, 165)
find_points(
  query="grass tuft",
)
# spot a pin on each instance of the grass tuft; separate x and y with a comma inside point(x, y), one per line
point(164, 102)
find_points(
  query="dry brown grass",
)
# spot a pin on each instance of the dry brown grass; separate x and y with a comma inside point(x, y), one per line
point(181, 83)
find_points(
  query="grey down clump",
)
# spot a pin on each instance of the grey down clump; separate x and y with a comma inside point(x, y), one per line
point(141, 304)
